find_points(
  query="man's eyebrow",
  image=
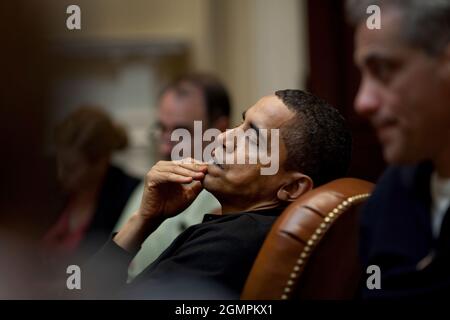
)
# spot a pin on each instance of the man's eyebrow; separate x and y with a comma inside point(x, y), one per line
point(374, 57)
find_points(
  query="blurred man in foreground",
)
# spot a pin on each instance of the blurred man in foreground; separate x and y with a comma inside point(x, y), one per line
point(405, 93)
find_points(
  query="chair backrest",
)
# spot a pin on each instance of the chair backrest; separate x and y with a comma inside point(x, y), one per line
point(311, 251)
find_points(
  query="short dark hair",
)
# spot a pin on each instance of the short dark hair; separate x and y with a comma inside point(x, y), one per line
point(216, 97)
point(425, 24)
point(317, 139)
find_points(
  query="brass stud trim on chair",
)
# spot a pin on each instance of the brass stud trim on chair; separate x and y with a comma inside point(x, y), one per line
point(315, 238)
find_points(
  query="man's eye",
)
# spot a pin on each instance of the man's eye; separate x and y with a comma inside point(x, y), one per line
point(383, 71)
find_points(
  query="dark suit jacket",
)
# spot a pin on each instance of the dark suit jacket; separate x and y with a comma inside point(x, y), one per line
point(396, 235)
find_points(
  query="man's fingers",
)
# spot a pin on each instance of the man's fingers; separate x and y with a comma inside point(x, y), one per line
point(188, 163)
point(175, 174)
point(173, 177)
point(192, 164)
point(190, 160)
point(183, 171)
point(194, 167)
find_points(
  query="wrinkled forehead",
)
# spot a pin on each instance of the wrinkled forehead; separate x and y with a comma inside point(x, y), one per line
point(269, 112)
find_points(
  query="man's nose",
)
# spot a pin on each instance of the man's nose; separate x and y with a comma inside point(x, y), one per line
point(367, 100)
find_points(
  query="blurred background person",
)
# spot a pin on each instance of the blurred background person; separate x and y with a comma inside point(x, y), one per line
point(405, 93)
point(95, 191)
point(191, 97)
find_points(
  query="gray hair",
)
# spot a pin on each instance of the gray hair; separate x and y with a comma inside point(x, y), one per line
point(425, 24)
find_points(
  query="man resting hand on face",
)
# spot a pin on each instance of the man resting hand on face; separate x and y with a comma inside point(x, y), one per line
point(212, 259)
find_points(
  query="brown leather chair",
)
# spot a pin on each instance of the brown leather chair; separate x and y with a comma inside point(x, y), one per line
point(311, 251)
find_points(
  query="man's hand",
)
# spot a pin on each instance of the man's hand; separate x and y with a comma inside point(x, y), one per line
point(170, 187)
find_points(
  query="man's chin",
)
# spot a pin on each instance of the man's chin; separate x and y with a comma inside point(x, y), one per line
point(213, 184)
point(392, 155)
point(395, 155)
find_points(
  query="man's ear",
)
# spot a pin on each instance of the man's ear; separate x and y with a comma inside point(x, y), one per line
point(222, 123)
point(297, 185)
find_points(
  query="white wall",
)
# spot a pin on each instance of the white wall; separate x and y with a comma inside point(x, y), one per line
point(260, 47)
point(126, 90)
